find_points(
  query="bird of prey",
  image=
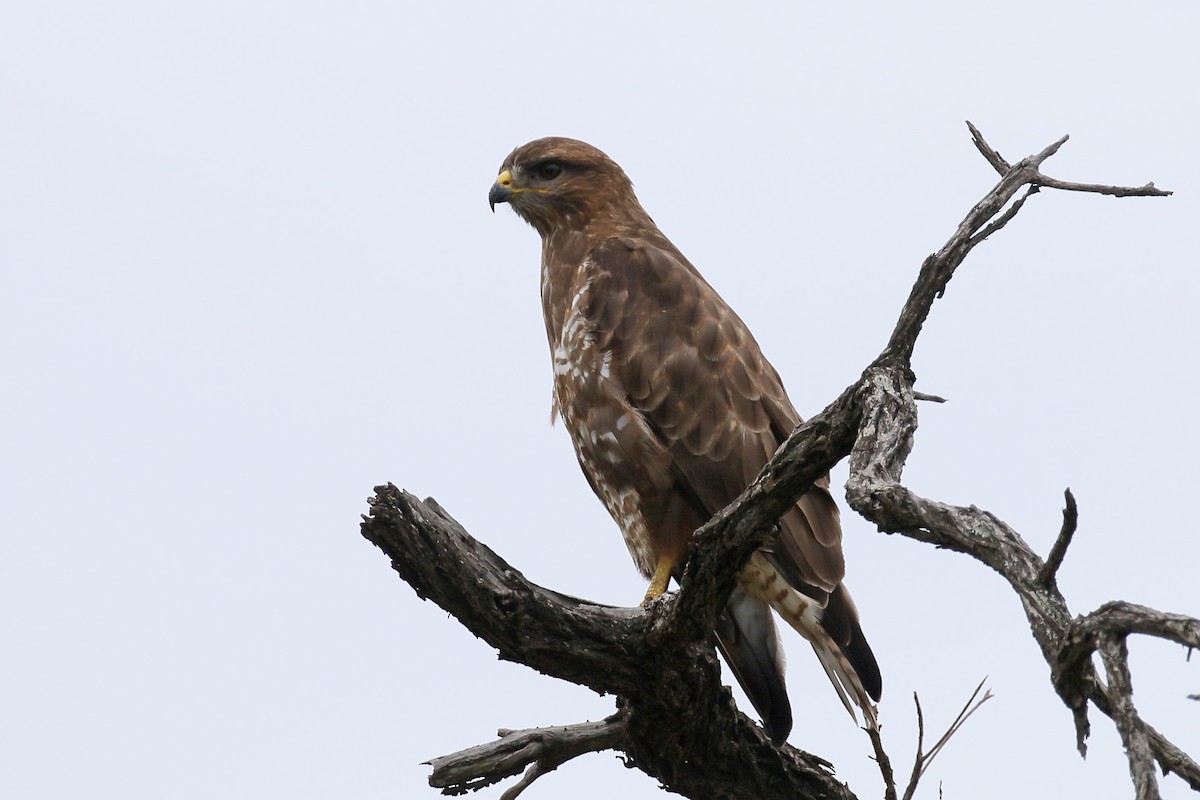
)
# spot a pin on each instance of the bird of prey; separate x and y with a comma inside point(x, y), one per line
point(673, 410)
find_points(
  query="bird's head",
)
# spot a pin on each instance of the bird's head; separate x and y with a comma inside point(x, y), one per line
point(558, 183)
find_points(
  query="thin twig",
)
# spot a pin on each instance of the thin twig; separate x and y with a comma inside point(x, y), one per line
point(885, 763)
point(967, 710)
point(915, 777)
point(984, 219)
point(1002, 220)
point(922, 760)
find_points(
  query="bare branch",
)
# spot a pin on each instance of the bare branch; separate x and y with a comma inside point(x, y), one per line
point(874, 491)
point(1169, 757)
point(1122, 618)
point(885, 763)
point(1001, 166)
point(1047, 151)
point(1059, 551)
point(885, 438)
point(1115, 653)
point(914, 777)
point(968, 709)
point(938, 268)
point(657, 674)
point(542, 750)
point(525, 622)
point(1002, 220)
point(994, 158)
point(1148, 190)
point(921, 759)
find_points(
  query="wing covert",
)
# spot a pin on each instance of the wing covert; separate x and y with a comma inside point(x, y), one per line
point(689, 365)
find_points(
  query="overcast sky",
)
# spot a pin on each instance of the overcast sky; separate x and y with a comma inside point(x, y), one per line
point(247, 272)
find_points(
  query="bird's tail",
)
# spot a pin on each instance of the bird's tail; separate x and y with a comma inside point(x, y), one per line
point(844, 678)
point(832, 630)
point(747, 639)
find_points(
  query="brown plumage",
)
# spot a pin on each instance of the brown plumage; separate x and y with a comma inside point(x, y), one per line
point(673, 410)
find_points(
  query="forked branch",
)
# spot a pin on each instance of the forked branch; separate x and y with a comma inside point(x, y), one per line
point(922, 760)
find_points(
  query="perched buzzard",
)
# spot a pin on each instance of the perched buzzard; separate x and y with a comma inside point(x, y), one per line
point(673, 410)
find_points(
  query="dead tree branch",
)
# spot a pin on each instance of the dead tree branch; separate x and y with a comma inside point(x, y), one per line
point(675, 721)
point(921, 760)
point(1059, 551)
point(535, 750)
point(1115, 652)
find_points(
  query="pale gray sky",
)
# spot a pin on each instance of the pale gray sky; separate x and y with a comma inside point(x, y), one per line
point(248, 272)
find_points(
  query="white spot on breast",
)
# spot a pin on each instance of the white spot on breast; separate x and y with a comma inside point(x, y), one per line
point(581, 373)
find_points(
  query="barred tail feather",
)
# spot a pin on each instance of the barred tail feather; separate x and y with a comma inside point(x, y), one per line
point(844, 679)
point(849, 663)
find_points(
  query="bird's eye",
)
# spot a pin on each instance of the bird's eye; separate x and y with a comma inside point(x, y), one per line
point(549, 170)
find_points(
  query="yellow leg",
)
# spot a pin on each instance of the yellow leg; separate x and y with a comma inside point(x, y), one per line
point(662, 577)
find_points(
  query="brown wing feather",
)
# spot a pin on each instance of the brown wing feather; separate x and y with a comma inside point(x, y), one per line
point(692, 369)
point(694, 372)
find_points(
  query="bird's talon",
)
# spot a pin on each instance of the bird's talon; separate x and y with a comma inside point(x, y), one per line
point(660, 581)
point(650, 598)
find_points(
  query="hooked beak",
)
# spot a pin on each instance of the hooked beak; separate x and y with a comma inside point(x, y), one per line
point(501, 191)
